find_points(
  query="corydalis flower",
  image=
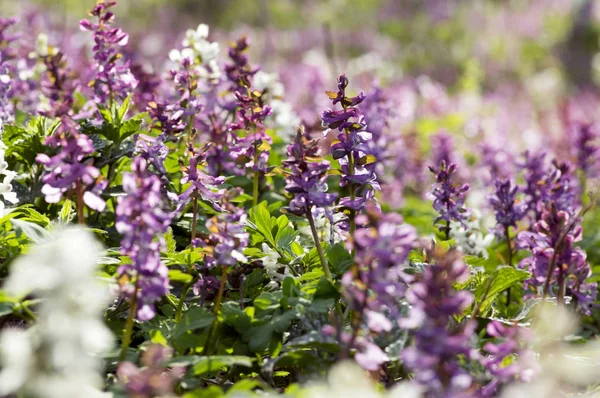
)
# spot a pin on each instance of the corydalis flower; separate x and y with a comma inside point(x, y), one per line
point(202, 186)
point(153, 379)
point(239, 72)
point(58, 86)
point(508, 359)
point(556, 262)
point(69, 172)
point(6, 112)
point(587, 147)
point(113, 80)
point(6, 189)
point(351, 148)
point(507, 208)
point(307, 179)
point(60, 355)
point(227, 238)
point(202, 53)
point(141, 217)
point(449, 199)
point(434, 356)
point(382, 248)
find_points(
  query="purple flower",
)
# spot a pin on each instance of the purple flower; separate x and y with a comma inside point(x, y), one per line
point(113, 80)
point(433, 358)
point(69, 173)
point(379, 281)
point(449, 199)
point(6, 111)
point(552, 246)
point(501, 362)
point(442, 148)
point(545, 184)
point(153, 379)
point(168, 118)
point(239, 72)
point(202, 185)
point(141, 217)
point(228, 238)
point(352, 148)
point(58, 86)
point(507, 208)
point(587, 147)
point(307, 178)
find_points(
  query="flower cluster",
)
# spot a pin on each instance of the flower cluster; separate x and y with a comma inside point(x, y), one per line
point(449, 199)
point(351, 148)
point(556, 264)
point(508, 359)
point(70, 173)
point(434, 301)
point(548, 183)
point(382, 247)
point(507, 208)
point(59, 356)
point(587, 147)
point(200, 52)
point(251, 150)
point(153, 379)
point(113, 80)
point(141, 217)
point(6, 113)
point(307, 178)
point(58, 87)
point(227, 238)
point(6, 189)
point(201, 184)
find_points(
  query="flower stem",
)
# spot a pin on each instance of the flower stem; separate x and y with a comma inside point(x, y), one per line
point(179, 310)
point(255, 179)
point(79, 193)
point(194, 218)
point(207, 346)
point(129, 324)
point(510, 262)
point(315, 235)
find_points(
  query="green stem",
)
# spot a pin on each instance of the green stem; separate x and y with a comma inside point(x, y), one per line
point(510, 262)
point(194, 218)
point(80, 204)
point(315, 235)
point(129, 324)
point(218, 301)
point(255, 181)
point(179, 310)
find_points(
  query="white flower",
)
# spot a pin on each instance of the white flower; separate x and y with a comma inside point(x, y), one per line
point(327, 232)
point(58, 356)
point(283, 118)
point(200, 51)
point(471, 240)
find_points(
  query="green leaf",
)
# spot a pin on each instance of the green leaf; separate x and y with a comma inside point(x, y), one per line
point(503, 278)
point(195, 318)
point(176, 275)
point(33, 231)
point(211, 364)
point(67, 212)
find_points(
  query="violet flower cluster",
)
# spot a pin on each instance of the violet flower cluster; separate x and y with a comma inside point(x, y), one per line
point(228, 238)
point(113, 80)
point(508, 359)
point(70, 173)
point(141, 218)
point(587, 148)
point(507, 208)
point(379, 282)
point(433, 358)
point(556, 264)
point(153, 379)
point(58, 86)
point(449, 198)
point(201, 185)
point(6, 113)
point(351, 148)
point(251, 150)
point(545, 184)
point(306, 180)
